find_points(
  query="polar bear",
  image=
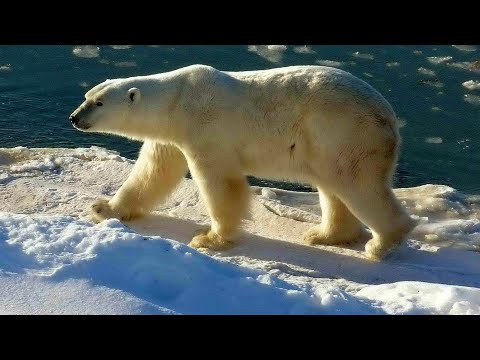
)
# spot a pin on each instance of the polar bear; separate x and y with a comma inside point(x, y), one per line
point(309, 124)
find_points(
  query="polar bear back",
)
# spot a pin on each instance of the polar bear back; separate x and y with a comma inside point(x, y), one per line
point(322, 82)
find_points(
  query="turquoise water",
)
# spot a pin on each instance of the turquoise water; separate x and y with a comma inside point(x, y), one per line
point(41, 85)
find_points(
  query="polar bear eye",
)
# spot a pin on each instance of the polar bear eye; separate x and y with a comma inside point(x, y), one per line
point(99, 103)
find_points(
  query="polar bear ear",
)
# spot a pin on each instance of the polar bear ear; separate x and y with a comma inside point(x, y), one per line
point(133, 95)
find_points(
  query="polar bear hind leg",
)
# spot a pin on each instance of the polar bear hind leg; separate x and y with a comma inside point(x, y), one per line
point(356, 183)
point(339, 225)
point(157, 171)
point(378, 208)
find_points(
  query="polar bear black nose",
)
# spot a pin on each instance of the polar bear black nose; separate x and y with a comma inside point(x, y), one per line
point(74, 119)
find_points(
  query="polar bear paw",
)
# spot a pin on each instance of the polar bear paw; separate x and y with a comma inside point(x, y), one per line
point(376, 249)
point(206, 238)
point(101, 210)
point(316, 236)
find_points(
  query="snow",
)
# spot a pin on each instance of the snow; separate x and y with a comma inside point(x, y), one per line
point(416, 298)
point(159, 271)
point(54, 261)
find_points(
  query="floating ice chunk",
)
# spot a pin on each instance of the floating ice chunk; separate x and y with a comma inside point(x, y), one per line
point(305, 49)
point(467, 65)
point(434, 83)
point(472, 99)
point(418, 52)
point(439, 59)
point(331, 63)
point(368, 74)
point(392, 64)
point(360, 55)
point(6, 67)
point(467, 48)
point(86, 51)
point(272, 53)
point(120, 47)
point(435, 108)
point(276, 47)
point(434, 140)
point(104, 61)
point(125, 63)
point(84, 84)
point(401, 123)
point(472, 85)
point(425, 71)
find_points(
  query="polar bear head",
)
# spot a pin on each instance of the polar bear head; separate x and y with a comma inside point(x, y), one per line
point(110, 107)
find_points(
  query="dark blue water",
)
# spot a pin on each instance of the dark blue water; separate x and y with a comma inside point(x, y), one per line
point(41, 85)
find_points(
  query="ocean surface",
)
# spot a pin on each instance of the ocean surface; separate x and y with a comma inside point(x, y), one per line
point(435, 91)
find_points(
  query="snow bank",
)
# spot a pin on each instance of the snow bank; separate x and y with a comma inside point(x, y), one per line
point(163, 274)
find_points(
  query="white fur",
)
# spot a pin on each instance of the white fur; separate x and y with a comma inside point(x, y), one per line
point(311, 124)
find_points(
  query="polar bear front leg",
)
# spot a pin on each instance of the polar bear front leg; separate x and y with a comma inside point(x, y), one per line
point(155, 174)
point(225, 194)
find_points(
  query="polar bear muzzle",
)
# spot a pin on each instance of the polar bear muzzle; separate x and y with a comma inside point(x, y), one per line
point(77, 118)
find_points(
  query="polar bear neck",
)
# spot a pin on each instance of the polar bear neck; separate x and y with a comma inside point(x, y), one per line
point(159, 96)
point(171, 101)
